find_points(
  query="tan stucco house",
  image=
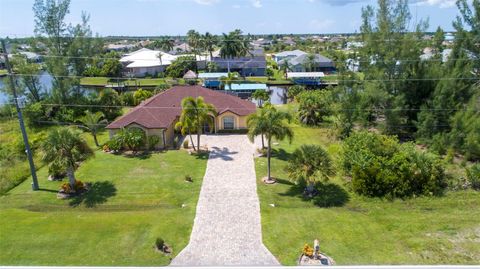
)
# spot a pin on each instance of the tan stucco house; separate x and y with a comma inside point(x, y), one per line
point(159, 114)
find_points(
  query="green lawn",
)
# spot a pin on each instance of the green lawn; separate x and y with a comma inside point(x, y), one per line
point(3, 72)
point(440, 230)
point(133, 200)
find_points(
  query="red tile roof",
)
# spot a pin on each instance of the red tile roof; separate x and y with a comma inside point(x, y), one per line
point(161, 110)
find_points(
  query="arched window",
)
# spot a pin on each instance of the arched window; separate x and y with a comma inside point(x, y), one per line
point(228, 123)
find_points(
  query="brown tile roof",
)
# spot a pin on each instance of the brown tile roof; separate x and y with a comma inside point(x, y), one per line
point(161, 110)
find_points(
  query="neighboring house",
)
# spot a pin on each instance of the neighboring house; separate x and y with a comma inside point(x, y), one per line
point(303, 63)
point(212, 80)
point(254, 64)
point(147, 62)
point(120, 47)
point(159, 114)
point(290, 54)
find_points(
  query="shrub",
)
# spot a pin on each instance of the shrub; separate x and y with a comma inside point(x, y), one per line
point(127, 99)
point(159, 243)
point(141, 95)
point(56, 170)
point(380, 166)
point(314, 106)
point(188, 178)
point(153, 141)
point(185, 144)
point(114, 144)
point(473, 176)
point(294, 91)
point(307, 250)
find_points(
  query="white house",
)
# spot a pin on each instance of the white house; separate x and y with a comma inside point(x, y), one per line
point(149, 62)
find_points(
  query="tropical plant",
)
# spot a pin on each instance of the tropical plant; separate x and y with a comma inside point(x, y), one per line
point(234, 45)
point(308, 164)
point(379, 166)
point(186, 126)
point(153, 141)
point(473, 176)
point(228, 80)
point(132, 138)
point(273, 124)
point(65, 147)
point(314, 106)
point(261, 96)
point(294, 91)
point(209, 42)
point(141, 95)
point(93, 122)
point(285, 66)
point(196, 113)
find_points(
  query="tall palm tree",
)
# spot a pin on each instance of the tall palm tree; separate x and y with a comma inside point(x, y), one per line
point(256, 125)
point(195, 42)
point(308, 164)
point(186, 126)
point(233, 45)
point(65, 147)
point(309, 62)
point(209, 43)
point(167, 44)
point(198, 113)
point(274, 126)
point(93, 122)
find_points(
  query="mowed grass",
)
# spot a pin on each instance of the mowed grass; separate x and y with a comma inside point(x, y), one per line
point(133, 201)
point(360, 231)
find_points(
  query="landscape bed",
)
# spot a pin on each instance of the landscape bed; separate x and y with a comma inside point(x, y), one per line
point(356, 230)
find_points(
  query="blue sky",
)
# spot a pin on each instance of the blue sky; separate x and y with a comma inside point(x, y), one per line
point(175, 17)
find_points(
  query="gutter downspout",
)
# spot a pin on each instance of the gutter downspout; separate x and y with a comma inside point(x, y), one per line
point(164, 141)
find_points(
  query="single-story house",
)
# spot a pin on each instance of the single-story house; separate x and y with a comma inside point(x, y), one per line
point(149, 62)
point(290, 54)
point(159, 114)
point(212, 80)
point(253, 64)
point(304, 63)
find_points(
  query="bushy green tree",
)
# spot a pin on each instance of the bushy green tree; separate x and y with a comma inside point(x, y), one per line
point(141, 95)
point(294, 91)
point(181, 65)
point(314, 107)
point(379, 166)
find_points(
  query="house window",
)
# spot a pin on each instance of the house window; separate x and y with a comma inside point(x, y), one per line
point(228, 123)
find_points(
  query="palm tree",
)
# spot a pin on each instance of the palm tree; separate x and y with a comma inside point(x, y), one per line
point(93, 123)
point(229, 79)
point(308, 164)
point(195, 42)
point(233, 45)
point(196, 112)
point(209, 43)
point(256, 125)
point(166, 44)
point(285, 66)
point(186, 126)
point(65, 147)
point(309, 62)
point(273, 123)
point(261, 96)
point(160, 54)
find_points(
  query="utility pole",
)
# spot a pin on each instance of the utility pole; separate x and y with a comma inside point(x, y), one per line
point(20, 119)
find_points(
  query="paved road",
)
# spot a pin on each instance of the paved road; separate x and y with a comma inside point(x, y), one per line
point(227, 229)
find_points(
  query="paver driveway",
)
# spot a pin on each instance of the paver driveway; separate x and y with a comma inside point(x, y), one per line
point(227, 229)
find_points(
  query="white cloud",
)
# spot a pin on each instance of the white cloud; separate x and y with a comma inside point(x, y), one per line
point(206, 2)
point(256, 3)
point(321, 24)
point(440, 3)
point(236, 6)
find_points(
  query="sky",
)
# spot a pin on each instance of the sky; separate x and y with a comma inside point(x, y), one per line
point(176, 17)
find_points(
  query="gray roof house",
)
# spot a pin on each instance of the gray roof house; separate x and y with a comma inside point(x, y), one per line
point(253, 64)
point(303, 63)
point(287, 55)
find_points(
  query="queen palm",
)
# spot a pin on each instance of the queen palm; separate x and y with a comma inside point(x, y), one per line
point(64, 147)
point(310, 163)
point(286, 66)
point(273, 124)
point(197, 113)
point(261, 96)
point(93, 122)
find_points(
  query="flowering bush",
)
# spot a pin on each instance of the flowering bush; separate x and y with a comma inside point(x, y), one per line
point(307, 250)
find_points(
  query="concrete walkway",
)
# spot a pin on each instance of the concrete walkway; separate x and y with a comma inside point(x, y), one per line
point(227, 229)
